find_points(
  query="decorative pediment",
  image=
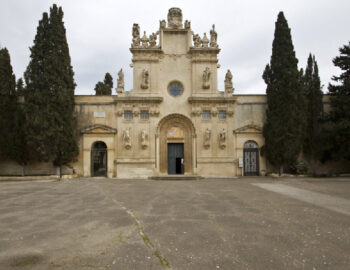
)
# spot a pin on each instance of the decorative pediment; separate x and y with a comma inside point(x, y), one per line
point(98, 129)
point(251, 128)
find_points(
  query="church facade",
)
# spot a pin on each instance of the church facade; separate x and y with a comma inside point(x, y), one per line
point(175, 120)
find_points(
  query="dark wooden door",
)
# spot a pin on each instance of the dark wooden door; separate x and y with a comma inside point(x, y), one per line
point(175, 158)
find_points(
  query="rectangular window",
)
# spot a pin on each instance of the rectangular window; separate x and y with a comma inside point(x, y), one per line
point(206, 114)
point(222, 115)
point(128, 115)
point(144, 115)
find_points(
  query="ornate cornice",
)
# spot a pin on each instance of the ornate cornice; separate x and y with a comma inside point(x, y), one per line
point(194, 100)
point(136, 99)
point(91, 129)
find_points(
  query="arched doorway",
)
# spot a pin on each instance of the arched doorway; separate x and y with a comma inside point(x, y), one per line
point(99, 159)
point(176, 135)
point(251, 158)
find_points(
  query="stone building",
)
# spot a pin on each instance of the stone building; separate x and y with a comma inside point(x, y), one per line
point(174, 120)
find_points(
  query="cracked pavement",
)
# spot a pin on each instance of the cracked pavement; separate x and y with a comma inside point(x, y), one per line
point(244, 223)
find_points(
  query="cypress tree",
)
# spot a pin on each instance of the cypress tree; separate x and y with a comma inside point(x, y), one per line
point(338, 129)
point(105, 87)
point(283, 129)
point(49, 96)
point(314, 110)
point(62, 86)
point(8, 103)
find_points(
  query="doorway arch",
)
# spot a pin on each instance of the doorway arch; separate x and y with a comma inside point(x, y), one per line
point(251, 158)
point(99, 159)
point(184, 134)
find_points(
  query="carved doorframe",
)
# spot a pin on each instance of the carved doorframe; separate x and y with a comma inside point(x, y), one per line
point(184, 123)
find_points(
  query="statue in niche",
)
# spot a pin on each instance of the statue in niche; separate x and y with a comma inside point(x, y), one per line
point(206, 78)
point(127, 139)
point(205, 41)
point(152, 40)
point(207, 135)
point(144, 82)
point(120, 81)
point(187, 24)
point(197, 41)
point(135, 35)
point(228, 82)
point(175, 18)
point(144, 139)
point(144, 40)
point(162, 24)
point(213, 37)
point(222, 139)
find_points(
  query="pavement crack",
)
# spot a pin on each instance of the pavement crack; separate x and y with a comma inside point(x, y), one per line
point(155, 251)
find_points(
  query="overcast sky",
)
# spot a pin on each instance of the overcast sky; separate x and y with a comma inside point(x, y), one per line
point(99, 34)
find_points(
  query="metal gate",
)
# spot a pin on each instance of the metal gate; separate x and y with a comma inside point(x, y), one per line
point(99, 159)
point(251, 158)
point(175, 158)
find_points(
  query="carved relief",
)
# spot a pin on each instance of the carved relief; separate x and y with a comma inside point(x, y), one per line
point(136, 112)
point(120, 82)
point(214, 111)
point(207, 135)
point(197, 41)
point(187, 24)
point(175, 18)
point(145, 75)
point(230, 113)
point(144, 139)
point(228, 82)
point(213, 38)
point(154, 112)
point(162, 24)
point(127, 139)
point(135, 35)
point(144, 40)
point(196, 112)
point(222, 139)
point(120, 113)
point(206, 78)
point(152, 40)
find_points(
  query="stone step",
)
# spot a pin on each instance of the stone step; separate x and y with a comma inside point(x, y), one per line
point(176, 177)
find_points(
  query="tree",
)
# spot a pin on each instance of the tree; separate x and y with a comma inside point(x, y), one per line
point(105, 87)
point(49, 96)
point(338, 125)
point(283, 130)
point(20, 87)
point(8, 103)
point(314, 112)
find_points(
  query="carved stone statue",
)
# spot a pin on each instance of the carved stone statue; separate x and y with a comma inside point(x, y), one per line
point(197, 41)
point(213, 37)
point(120, 81)
point(144, 82)
point(144, 139)
point(175, 18)
point(205, 41)
point(162, 24)
point(206, 78)
point(222, 139)
point(207, 136)
point(127, 139)
point(228, 82)
point(135, 35)
point(187, 24)
point(152, 40)
point(144, 40)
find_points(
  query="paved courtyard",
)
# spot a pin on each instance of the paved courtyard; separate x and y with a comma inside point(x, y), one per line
point(245, 223)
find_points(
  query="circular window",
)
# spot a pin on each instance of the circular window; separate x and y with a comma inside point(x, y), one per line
point(175, 89)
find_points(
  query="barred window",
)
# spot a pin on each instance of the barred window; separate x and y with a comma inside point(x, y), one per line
point(128, 114)
point(222, 115)
point(144, 114)
point(206, 114)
